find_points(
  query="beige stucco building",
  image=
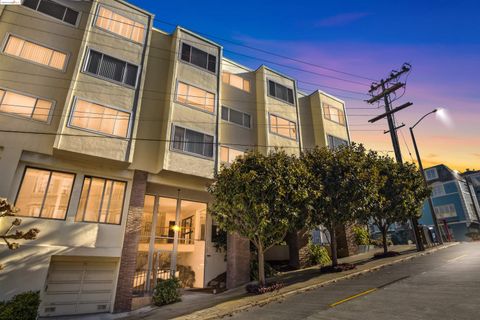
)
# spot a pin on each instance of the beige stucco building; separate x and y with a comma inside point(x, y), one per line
point(111, 130)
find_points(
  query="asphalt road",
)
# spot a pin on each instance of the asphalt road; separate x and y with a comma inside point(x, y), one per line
point(442, 285)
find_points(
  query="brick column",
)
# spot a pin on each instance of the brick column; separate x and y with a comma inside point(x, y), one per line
point(346, 241)
point(128, 261)
point(238, 260)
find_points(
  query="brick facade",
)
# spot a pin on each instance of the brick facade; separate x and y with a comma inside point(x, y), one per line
point(128, 261)
point(238, 260)
point(346, 241)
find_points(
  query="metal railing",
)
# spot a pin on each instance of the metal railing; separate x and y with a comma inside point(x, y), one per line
point(140, 287)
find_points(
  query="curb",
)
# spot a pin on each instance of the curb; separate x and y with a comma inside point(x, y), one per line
point(220, 314)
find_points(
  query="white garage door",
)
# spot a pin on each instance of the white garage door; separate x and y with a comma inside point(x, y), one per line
point(78, 287)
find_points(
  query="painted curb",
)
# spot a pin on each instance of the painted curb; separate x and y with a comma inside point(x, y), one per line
point(198, 315)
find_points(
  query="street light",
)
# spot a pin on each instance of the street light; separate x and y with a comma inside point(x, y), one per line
point(430, 203)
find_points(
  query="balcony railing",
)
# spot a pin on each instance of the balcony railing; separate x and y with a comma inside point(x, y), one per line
point(140, 283)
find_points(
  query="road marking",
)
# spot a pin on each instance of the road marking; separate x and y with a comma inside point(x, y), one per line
point(353, 297)
point(457, 258)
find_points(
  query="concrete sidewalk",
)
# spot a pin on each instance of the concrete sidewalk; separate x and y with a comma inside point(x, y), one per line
point(207, 306)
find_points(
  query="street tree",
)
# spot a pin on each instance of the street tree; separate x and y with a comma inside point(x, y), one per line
point(401, 192)
point(9, 237)
point(260, 197)
point(340, 188)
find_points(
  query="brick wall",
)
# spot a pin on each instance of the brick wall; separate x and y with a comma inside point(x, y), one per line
point(128, 261)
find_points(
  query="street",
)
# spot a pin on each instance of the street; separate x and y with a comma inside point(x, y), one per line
point(442, 285)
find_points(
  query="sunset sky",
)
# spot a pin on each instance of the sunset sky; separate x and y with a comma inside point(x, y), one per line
point(441, 39)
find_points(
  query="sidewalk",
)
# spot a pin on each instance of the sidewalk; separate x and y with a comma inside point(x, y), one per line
point(208, 306)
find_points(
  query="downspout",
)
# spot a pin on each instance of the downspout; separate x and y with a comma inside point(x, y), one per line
point(217, 138)
point(298, 118)
point(137, 91)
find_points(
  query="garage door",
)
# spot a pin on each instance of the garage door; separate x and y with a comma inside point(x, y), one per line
point(78, 287)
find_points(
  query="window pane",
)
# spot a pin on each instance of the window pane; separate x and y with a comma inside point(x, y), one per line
point(36, 53)
point(112, 68)
point(138, 32)
point(83, 199)
point(196, 97)
point(131, 75)
point(290, 95)
point(105, 201)
point(246, 85)
point(246, 120)
point(58, 60)
point(93, 62)
point(194, 142)
point(182, 92)
point(271, 88)
point(71, 16)
point(283, 127)
point(186, 49)
point(42, 110)
point(224, 152)
point(32, 191)
point(199, 57)
point(208, 148)
point(234, 154)
point(58, 195)
point(104, 18)
point(14, 46)
point(116, 202)
point(212, 63)
point(236, 117)
point(273, 123)
point(225, 113)
point(31, 3)
point(52, 9)
point(179, 136)
point(94, 200)
point(210, 102)
point(18, 104)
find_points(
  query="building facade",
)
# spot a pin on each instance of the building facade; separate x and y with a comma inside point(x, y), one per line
point(455, 203)
point(111, 130)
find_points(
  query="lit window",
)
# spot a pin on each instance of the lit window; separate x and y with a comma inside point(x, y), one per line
point(334, 142)
point(25, 106)
point(334, 114)
point(280, 92)
point(98, 118)
point(101, 201)
point(34, 52)
point(120, 25)
point(44, 194)
point(228, 155)
point(53, 9)
point(237, 117)
point(236, 81)
point(192, 142)
point(431, 174)
point(110, 68)
point(283, 127)
point(195, 97)
point(445, 211)
point(199, 58)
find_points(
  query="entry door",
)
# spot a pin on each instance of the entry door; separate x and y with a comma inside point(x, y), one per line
point(78, 287)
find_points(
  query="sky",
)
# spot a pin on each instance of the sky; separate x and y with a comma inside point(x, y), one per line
point(365, 41)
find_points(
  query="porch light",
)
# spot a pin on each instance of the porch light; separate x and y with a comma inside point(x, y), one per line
point(176, 228)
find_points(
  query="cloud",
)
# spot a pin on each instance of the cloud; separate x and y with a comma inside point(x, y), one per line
point(477, 155)
point(341, 19)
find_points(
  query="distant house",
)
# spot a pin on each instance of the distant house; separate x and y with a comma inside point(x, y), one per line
point(473, 180)
point(454, 200)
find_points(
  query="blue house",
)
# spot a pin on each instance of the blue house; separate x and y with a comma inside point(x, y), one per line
point(455, 203)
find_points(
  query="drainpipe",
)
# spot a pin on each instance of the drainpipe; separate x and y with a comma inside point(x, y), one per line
point(173, 259)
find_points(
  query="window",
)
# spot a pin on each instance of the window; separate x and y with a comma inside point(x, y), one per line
point(54, 10)
point(120, 25)
point(35, 53)
point(431, 174)
point(334, 114)
point(199, 58)
point(236, 81)
point(110, 68)
point(101, 201)
point(195, 97)
point(98, 118)
point(438, 190)
point(281, 92)
point(228, 155)
point(25, 106)
point(192, 142)
point(334, 142)
point(283, 127)
point(44, 194)
point(237, 117)
point(445, 211)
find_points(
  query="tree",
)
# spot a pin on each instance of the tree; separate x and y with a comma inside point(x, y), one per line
point(8, 210)
point(401, 192)
point(340, 188)
point(261, 197)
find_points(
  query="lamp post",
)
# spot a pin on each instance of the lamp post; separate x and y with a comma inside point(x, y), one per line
point(430, 203)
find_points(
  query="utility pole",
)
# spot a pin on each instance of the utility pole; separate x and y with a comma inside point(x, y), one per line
point(383, 90)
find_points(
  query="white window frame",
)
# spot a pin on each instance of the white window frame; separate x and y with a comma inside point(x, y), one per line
point(183, 151)
point(50, 114)
point(344, 124)
point(243, 113)
point(280, 135)
point(145, 27)
point(449, 206)
point(123, 84)
point(440, 187)
point(4, 45)
point(72, 110)
point(435, 175)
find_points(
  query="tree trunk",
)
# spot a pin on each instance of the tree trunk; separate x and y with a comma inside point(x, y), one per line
point(261, 266)
point(384, 239)
point(293, 247)
point(333, 246)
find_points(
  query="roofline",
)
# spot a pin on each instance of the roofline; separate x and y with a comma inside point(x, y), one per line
point(128, 4)
point(277, 72)
point(328, 95)
point(198, 36)
point(238, 64)
point(161, 31)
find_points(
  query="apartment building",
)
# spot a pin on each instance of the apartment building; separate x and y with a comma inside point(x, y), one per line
point(454, 201)
point(111, 132)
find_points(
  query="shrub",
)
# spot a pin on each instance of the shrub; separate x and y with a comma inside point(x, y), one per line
point(379, 243)
point(23, 306)
point(362, 237)
point(186, 276)
point(318, 255)
point(166, 292)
